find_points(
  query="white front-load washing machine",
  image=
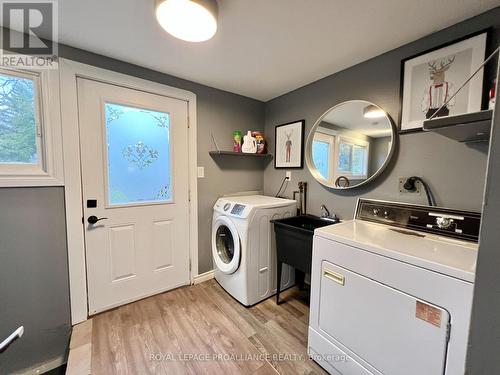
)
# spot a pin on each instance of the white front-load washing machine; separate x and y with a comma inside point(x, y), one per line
point(243, 246)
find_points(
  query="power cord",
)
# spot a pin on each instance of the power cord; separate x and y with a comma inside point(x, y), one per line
point(281, 187)
point(410, 186)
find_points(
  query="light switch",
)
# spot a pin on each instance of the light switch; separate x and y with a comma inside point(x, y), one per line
point(201, 172)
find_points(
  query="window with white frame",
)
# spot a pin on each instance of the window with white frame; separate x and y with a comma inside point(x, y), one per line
point(30, 141)
point(20, 127)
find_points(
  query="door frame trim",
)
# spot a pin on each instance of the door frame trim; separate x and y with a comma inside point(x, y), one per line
point(69, 72)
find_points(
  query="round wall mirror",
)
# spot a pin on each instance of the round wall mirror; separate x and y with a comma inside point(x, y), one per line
point(350, 144)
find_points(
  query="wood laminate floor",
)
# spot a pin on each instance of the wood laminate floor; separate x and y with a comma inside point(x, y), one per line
point(202, 330)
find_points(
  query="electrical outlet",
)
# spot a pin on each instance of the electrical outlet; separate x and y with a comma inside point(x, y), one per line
point(402, 190)
point(288, 175)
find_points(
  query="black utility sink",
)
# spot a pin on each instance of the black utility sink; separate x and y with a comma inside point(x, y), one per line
point(294, 239)
point(303, 222)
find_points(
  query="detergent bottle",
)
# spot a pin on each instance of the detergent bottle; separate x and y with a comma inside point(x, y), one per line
point(249, 144)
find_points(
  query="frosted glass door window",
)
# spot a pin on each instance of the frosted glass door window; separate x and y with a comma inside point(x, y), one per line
point(138, 155)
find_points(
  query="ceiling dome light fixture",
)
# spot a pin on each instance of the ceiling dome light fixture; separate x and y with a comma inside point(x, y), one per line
point(189, 20)
point(372, 111)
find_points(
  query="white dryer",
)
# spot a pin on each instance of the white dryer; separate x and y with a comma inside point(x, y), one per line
point(243, 246)
point(391, 290)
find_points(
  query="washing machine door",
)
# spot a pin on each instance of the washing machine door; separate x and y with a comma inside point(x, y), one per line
point(226, 245)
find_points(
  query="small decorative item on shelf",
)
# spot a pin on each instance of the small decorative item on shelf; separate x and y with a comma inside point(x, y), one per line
point(237, 141)
point(261, 142)
point(492, 95)
point(249, 144)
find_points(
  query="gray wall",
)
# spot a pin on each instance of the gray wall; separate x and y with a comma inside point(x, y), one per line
point(34, 289)
point(484, 340)
point(218, 112)
point(454, 171)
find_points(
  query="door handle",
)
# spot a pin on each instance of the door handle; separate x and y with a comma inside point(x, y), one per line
point(334, 276)
point(94, 219)
point(12, 337)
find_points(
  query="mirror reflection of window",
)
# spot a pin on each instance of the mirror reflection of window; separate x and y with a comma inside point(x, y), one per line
point(353, 158)
point(345, 156)
point(321, 152)
point(359, 167)
point(323, 155)
point(351, 140)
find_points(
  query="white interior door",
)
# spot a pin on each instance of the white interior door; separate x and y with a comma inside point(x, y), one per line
point(134, 152)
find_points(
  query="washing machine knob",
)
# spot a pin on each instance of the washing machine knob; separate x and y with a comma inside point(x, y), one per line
point(226, 206)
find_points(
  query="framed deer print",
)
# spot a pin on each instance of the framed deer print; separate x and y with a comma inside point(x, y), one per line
point(431, 79)
point(289, 145)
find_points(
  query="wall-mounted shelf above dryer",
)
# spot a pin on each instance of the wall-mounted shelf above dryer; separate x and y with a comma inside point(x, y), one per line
point(241, 154)
point(469, 127)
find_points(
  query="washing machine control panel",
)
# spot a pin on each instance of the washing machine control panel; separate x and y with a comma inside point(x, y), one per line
point(238, 209)
point(232, 209)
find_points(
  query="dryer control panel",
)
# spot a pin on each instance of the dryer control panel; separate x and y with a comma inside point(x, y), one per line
point(441, 221)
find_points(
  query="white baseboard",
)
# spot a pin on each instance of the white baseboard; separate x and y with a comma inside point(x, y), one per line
point(203, 277)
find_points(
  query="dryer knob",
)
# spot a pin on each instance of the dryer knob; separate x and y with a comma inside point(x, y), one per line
point(444, 222)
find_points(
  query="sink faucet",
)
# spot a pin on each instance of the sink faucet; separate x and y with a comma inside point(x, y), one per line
point(302, 192)
point(325, 213)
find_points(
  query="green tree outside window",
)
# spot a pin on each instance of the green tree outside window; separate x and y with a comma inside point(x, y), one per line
point(18, 142)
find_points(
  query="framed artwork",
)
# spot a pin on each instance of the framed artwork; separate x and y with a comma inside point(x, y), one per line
point(430, 79)
point(289, 145)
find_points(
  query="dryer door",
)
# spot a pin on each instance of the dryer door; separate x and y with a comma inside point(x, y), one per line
point(226, 245)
